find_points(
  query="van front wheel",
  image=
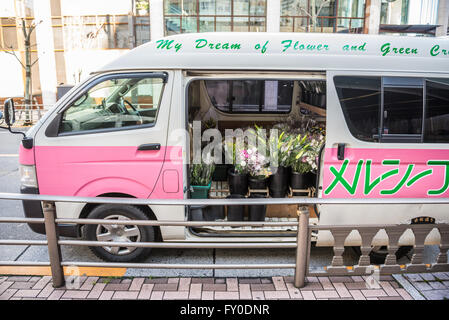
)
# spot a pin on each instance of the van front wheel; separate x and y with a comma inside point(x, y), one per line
point(119, 233)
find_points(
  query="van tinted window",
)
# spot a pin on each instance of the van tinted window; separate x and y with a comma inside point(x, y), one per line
point(247, 96)
point(437, 111)
point(360, 99)
point(114, 103)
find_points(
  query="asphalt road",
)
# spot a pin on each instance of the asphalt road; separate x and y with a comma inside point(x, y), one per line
point(9, 182)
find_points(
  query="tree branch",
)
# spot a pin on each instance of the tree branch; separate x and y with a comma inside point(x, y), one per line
point(13, 53)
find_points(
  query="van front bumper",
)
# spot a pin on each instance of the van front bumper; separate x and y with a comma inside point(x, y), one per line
point(33, 209)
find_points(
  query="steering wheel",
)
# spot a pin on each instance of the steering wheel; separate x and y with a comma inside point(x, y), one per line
point(123, 101)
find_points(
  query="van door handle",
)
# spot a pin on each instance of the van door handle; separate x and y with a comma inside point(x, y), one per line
point(149, 146)
point(341, 151)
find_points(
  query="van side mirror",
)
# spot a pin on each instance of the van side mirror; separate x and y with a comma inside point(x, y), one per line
point(9, 112)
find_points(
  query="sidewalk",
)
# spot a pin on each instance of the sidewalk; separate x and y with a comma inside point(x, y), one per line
point(398, 287)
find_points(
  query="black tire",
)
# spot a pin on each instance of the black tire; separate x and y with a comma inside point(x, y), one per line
point(378, 255)
point(92, 232)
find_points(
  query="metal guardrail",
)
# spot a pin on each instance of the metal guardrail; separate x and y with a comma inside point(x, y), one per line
point(302, 244)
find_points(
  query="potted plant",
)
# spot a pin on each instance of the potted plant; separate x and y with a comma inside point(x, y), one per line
point(257, 170)
point(237, 174)
point(278, 182)
point(200, 180)
point(305, 163)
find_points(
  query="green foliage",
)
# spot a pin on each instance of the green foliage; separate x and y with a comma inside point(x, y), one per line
point(201, 174)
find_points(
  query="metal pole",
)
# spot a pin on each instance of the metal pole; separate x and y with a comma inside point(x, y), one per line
point(302, 247)
point(54, 250)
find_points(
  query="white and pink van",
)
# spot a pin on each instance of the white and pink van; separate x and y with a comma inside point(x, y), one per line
point(125, 131)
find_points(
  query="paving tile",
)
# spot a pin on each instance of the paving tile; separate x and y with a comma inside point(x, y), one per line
point(96, 291)
point(308, 295)
point(125, 295)
point(289, 279)
point(386, 278)
point(436, 294)
point(312, 286)
point(312, 279)
point(7, 294)
point(3, 279)
point(257, 295)
point(166, 287)
point(244, 291)
point(126, 281)
point(220, 281)
point(214, 287)
point(250, 281)
point(279, 283)
point(394, 284)
point(195, 291)
point(184, 284)
point(207, 295)
point(262, 287)
point(110, 281)
point(24, 293)
point(388, 288)
point(266, 281)
point(47, 291)
point(326, 294)
point(203, 280)
point(357, 279)
point(145, 291)
point(19, 278)
point(41, 283)
point(356, 285)
point(357, 295)
point(35, 278)
point(106, 295)
point(56, 294)
point(226, 295)
point(293, 291)
point(325, 282)
point(156, 280)
point(176, 295)
point(75, 294)
point(342, 291)
point(338, 279)
point(136, 284)
point(427, 276)
point(441, 276)
point(232, 284)
point(407, 287)
point(413, 277)
point(22, 285)
point(391, 298)
point(89, 283)
point(173, 280)
point(157, 295)
point(374, 293)
point(422, 286)
point(5, 285)
point(437, 285)
point(446, 283)
point(116, 287)
point(275, 295)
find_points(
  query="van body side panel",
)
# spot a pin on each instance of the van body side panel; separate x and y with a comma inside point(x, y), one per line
point(386, 173)
point(26, 156)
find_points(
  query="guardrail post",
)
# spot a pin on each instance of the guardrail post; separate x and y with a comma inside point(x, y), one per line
point(302, 248)
point(54, 250)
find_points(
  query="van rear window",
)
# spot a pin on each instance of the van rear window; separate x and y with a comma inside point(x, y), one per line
point(251, 96)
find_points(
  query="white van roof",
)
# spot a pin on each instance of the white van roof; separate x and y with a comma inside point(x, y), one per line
point(287, 52)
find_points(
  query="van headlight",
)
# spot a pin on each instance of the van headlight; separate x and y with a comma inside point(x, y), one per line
point(28, 176)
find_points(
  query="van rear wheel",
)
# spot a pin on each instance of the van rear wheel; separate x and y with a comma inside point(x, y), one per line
point(119, 233)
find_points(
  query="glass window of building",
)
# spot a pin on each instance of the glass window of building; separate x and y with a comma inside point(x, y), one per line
point(185, 16)
point(345, 16)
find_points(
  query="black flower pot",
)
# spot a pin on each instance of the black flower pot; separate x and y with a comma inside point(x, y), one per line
point(256, 183)
point(302, 180)
point(279, 182)
point(221, 172)
point(212, 213)
point(257, 212)
point(238, 183)
point(235, 213)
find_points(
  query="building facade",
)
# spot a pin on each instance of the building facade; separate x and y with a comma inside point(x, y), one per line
point(73, 38)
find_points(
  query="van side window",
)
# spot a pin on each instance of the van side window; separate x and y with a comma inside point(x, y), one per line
point(250, 96)
point(115, 103)
point(437, 111)
point(360, 100)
